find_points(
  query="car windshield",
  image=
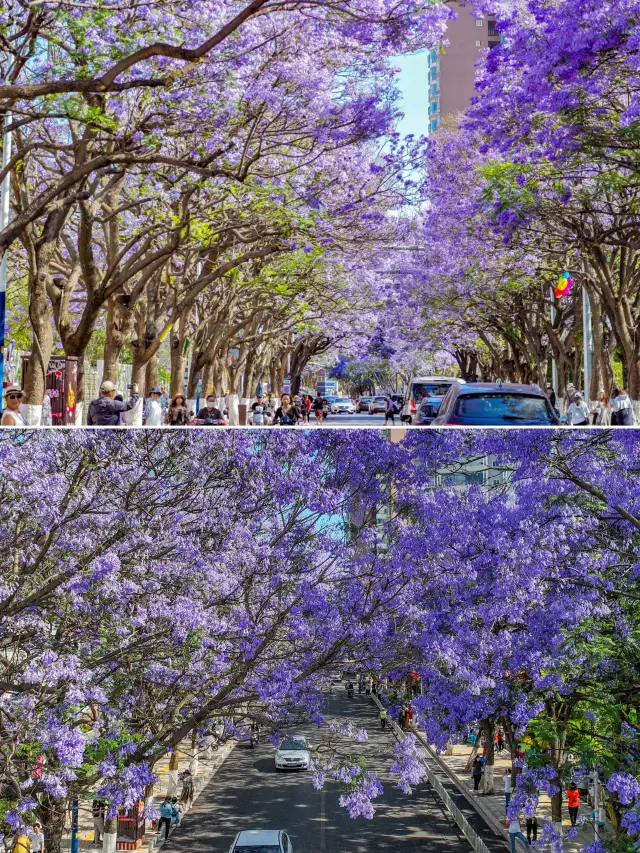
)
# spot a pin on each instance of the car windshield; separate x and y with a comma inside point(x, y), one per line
point(429, 389)
point(292, 744)
point(343, 400)
point(258, 848)
point(503, 407)
point(380, 399)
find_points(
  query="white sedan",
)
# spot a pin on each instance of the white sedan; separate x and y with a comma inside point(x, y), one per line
point(261, 841)
point(293, 753)
point(342, 404)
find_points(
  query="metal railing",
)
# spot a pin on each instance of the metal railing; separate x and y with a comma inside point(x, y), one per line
point(462, 823)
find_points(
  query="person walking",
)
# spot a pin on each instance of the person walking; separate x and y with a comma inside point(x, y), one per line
point(578, 412)
point(600, 410)
point(383, 719)
point(153, 408)
point(532, 828)
point(286, 413)
point(477, 770)
point(178, 411)
point(318, 409)
point(22, 844)
point(516, 832)
point(500, 740)
point(11, 416)
point(390, 410)
point(573, 802)
point(166, 813)
point(307, 405)
point(623, 409)
point(37, 839)
point(176, 811)
point(507, 788)
point(186, 797)
point(97, 813)
point(551, 394)
point(210, 412)
point(105, 411)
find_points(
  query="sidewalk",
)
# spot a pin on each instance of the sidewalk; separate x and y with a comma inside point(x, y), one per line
point(207, 767)
point(495, 803)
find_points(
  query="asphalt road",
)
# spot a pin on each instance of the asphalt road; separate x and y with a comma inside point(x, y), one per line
point(248, 793)
point(361, 420)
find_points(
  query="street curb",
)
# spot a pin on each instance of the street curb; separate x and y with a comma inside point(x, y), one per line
point(463, 824)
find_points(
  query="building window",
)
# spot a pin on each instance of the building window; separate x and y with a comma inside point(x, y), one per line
point(493, 31)
point(478, 43)
point(480, 22)
point(493, 44)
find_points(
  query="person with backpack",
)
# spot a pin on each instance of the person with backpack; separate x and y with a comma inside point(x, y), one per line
point(383, 719)
point(622, 409)
point(166, 813)
point(176, 811)
point(286, 413)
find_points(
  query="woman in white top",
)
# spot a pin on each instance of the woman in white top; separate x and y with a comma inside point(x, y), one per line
point(623, 409)
point(11, 416)
point(600, 410)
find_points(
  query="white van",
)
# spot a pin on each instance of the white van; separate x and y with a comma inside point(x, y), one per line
point(426, 392)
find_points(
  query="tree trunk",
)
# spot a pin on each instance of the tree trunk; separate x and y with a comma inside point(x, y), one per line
point(151, 374)
point(52, 812)
point(110, 834)
point(488, 728)
point(172, 782)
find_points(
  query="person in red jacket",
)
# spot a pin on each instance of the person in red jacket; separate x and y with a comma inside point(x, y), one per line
point(573, 801)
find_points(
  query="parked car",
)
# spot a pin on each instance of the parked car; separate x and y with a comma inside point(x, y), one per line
point(293, 754)
point(495, 404)
point(261, 841)
point(363, 404)
point(343, 404)
point(425, 392)
point(377, 404)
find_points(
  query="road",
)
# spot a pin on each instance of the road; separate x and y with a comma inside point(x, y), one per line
point(361, 420)
point(248, 793)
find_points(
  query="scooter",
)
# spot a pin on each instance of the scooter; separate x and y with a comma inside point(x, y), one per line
point(350, 692)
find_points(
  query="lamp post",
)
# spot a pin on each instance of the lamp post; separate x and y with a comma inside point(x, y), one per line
point(587, 336)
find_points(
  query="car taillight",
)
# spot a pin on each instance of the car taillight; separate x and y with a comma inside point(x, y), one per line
point(412, 407)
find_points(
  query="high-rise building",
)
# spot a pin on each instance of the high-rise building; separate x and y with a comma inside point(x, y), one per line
point(452, 69)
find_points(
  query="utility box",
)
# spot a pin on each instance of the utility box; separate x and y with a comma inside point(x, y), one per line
point(61, 387)
point(131, 827)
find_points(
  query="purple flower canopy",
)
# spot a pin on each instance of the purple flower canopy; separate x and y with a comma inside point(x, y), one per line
point(158, 582)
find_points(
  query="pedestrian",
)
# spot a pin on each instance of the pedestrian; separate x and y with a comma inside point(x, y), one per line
point(383, 719)
point(409, 717)
point(623, 408)
point(551, 394)
point(11, 416)
point(613, 414)
point(476, 772)
point(390, 410)
point(166, 813)
point(105, 411)
point(573, 802)
point(97, 812)
point(308, 403)
point(532, 828)
point(258, 416)
point(516, 832)
point(37, 839)
point(286, 414)
point(178, 411)
point(176, 811)
point(578, 411)
point(164, 402)
point(153, 408)
point(500, 740)
point(318, 409)
point(22, 844)
point(600, 410)
point(186, 797)
point(507, 788)
point(570, 394)
point(210, 413)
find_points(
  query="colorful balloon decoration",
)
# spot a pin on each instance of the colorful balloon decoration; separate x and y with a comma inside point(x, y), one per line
point(563, 288)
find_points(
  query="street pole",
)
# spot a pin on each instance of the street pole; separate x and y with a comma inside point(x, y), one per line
point(554, 363)
point(595, 803)
point(587, 337)
point(74, 827)
point(4, 221)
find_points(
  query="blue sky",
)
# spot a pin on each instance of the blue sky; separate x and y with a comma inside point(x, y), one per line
point(414, 87)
